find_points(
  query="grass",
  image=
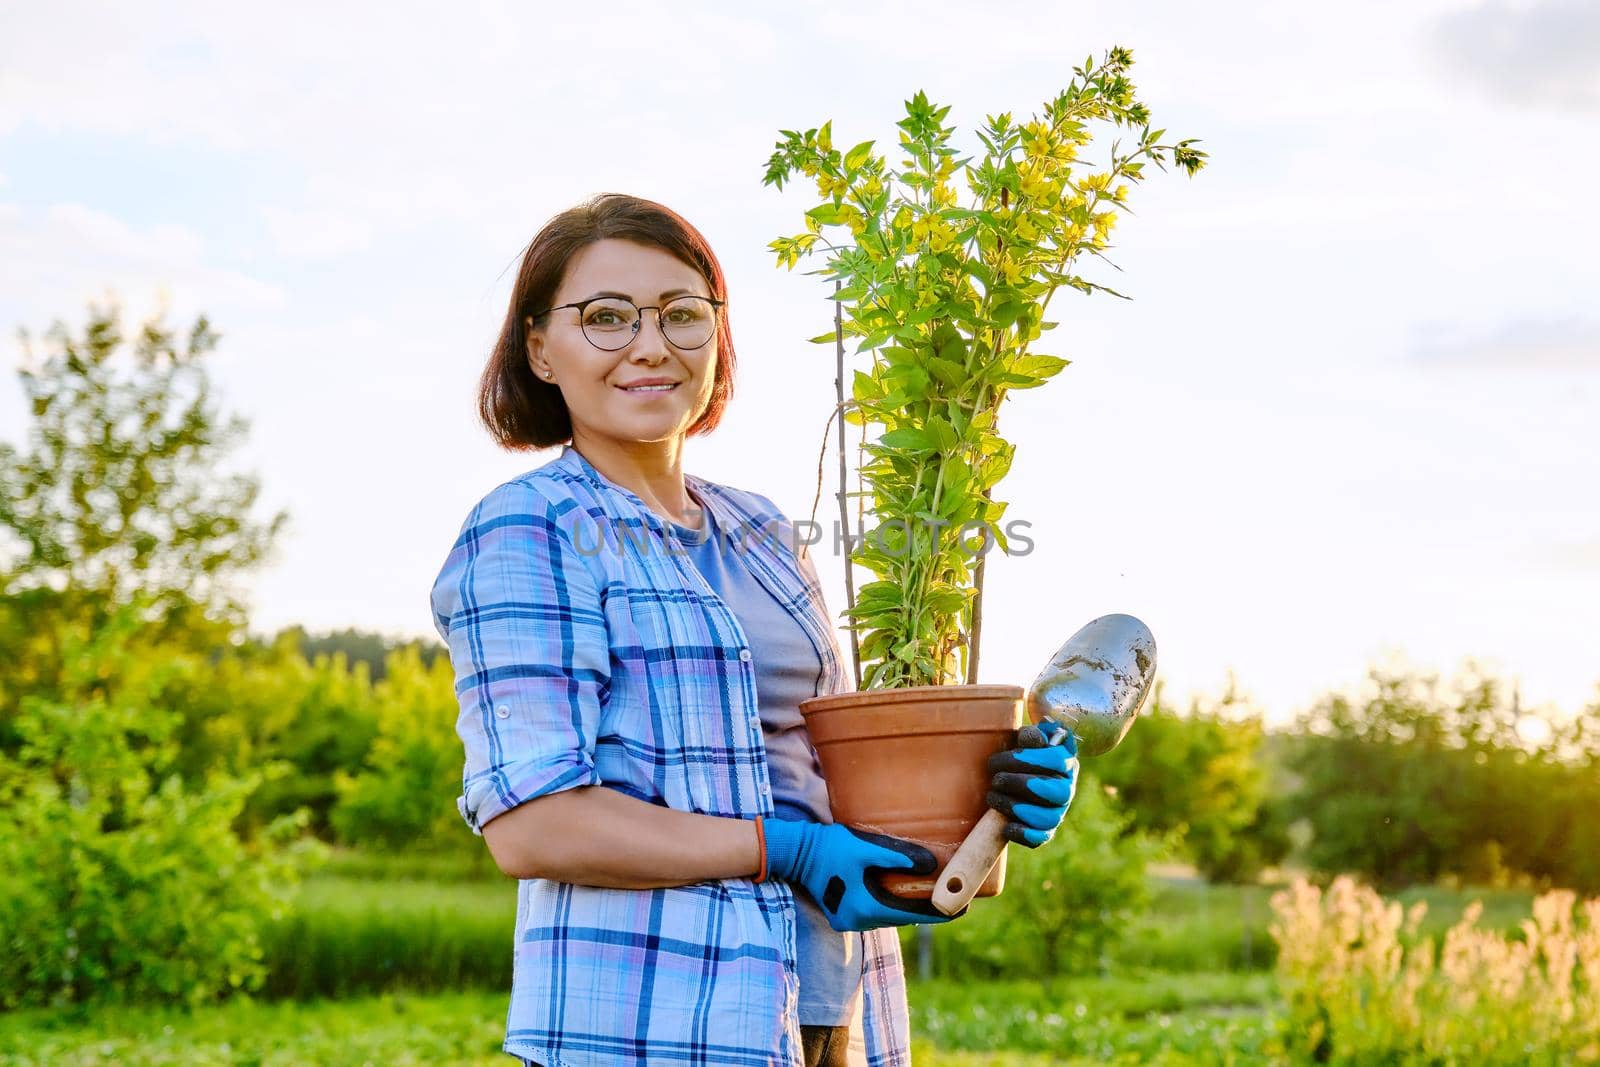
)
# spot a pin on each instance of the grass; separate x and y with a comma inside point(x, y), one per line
point(349, 936)
point(1192, 926)
point(417, 952)
point(363, 925)
point(1133, 1018)
point(1156, 1019)
point(448, 1030)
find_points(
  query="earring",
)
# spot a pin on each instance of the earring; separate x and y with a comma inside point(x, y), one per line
point(547, 373)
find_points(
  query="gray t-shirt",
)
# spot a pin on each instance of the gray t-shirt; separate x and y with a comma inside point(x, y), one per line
point(788, 670)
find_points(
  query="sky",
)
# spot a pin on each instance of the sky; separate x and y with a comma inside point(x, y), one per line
point(1347, 419)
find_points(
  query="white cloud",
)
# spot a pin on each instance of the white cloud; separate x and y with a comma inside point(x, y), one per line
point(1543, 54)
point(62, 256)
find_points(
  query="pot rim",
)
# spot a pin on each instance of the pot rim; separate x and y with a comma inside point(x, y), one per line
point(920, 694)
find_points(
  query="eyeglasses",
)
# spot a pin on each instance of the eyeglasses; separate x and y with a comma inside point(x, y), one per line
point(610, 322)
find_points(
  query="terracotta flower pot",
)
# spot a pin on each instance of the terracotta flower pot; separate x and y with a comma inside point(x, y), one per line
point(911, 762)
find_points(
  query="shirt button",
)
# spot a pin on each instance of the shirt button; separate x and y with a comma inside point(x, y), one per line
point(503, 711)
point(744, 654)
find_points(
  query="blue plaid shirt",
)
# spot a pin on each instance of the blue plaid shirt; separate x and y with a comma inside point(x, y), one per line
point(588, 651)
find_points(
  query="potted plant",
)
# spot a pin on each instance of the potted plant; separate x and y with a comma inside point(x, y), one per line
point(947, 300)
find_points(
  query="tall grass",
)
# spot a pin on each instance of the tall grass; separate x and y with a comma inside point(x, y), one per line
point(369, 923)
point(349, 936)
point(1364, 984)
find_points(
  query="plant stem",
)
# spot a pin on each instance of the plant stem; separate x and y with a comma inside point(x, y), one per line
point(844, 502)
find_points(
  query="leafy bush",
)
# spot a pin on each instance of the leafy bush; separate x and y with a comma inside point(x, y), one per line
point(123, 880)
point(1363, 987)
point(405, 792)
point(1065, 905)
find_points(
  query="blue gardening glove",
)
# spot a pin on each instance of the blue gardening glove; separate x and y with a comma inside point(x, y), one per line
point(1034, 783)
point(835, 864)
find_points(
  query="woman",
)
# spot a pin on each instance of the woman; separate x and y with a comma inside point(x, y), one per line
point(630, 643)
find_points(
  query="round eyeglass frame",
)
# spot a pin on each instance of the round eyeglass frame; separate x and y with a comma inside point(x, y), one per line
point(639, 318)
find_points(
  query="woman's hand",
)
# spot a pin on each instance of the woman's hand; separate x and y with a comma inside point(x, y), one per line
point(1034, 783)
point(837, 866)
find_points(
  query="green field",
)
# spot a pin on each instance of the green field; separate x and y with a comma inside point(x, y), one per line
point(395, 964)
point(1127, 1019)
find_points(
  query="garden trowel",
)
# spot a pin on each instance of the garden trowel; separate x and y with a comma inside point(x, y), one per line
point(1094, 686)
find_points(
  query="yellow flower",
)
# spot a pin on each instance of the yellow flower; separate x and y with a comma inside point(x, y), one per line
point(871, 187)
point(1025, 229)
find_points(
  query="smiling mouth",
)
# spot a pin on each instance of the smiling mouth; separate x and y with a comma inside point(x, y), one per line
point(649, 388)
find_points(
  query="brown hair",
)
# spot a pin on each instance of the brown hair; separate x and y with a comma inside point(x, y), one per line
point(523, 412)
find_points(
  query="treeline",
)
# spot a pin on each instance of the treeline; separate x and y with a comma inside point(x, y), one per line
point(1410, 779)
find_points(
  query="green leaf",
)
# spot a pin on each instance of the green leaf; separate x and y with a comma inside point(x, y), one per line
point(949, 372)
point(865, 388)
point(1006, 314)
point(873, 340)
point(858, 155)
point(993, 468)
point(1039, 366)
point(947, 601)
point(827, 214)
point(906, 437)
point(1017, 381)
point(823, 338)
point(886, 592)
point(941, 433)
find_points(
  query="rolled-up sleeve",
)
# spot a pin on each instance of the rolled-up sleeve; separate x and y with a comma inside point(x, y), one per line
point(522, 616)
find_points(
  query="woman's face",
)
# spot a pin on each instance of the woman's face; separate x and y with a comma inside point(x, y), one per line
point(592, 380)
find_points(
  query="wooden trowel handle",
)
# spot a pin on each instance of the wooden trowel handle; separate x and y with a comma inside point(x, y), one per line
point(959, 881)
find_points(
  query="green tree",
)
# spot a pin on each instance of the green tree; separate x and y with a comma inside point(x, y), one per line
point(360, 646)
point(404, 795)
point(121, 491)
point(1204, 776)
point(258, 703)
point(1414, 780)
